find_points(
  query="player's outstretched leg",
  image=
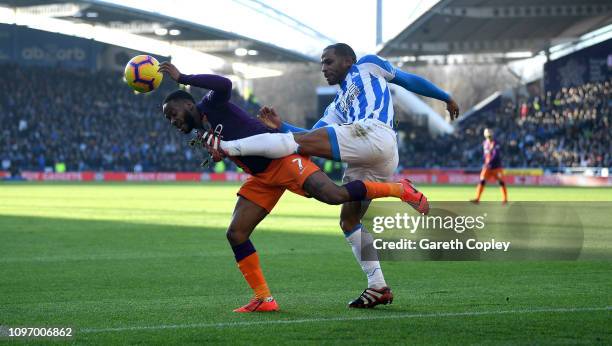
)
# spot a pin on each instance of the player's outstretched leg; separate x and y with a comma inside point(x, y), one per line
point(246, 216)
point(403, 190)
point(319, 186)
point(277, 145)
point(270, 145)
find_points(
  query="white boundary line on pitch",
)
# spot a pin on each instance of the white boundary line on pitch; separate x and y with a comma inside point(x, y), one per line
point(336, 319)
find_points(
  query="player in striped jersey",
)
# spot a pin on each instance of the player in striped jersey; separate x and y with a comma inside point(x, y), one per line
point(356, 128)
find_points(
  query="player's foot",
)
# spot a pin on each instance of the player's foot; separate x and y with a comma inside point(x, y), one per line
point(474, 201)
point(372, 297)
point(412, 196)
point(259, 305)
point(212, 143)
point(504, 202)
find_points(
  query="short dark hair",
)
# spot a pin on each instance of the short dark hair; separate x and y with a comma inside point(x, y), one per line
point(344, 50)
point(178, 95)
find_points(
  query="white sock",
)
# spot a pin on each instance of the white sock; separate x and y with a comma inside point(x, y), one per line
point(372, 269)
point(271, 145)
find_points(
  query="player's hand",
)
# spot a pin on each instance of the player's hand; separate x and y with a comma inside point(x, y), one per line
point(169, 69)
point(453, 109)
point(268, 116)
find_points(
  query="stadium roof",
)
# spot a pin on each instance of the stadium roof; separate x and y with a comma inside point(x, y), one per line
point(498, 26)
point(156, 25)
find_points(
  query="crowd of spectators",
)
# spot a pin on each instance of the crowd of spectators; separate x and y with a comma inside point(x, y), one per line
point(570, 128)
point(88, 121)
point(92, 121)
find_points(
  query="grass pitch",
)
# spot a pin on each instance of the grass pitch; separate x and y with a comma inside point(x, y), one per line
point(149, 264)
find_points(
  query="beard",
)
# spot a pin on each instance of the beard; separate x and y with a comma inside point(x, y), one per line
point(188, 125)
point(186, 129)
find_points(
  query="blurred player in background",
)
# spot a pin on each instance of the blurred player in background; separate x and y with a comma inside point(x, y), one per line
point(492, 168)
point(356, 128)
point(269, 177)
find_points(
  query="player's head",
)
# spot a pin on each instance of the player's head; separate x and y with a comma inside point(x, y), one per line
point(336, 60)
point(179, 108)
point(488, 133)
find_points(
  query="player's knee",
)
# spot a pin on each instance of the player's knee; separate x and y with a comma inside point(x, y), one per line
point(483, 182)
point(235, 237)
point(348, 224)
point(309, 143)
point(502, 183)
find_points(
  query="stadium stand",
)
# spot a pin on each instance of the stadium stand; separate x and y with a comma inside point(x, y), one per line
point(111, 129)
point(88, 121)
point(568, 129)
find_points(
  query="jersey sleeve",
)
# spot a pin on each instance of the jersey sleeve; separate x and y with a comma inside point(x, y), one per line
point(318, 124)
point(377, 66)
point(286, 127)
point(221, 87)
point(419, 85)
point(331, 116)
point(411, 82)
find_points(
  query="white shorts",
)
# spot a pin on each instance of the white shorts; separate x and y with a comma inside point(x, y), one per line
point(369, 147)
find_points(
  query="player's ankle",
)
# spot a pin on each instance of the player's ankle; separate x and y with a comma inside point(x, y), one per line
point(377, 286)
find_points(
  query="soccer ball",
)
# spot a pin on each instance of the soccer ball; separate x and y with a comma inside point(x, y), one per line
point(141, 73)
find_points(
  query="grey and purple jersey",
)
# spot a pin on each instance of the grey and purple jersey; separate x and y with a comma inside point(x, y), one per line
point(492, 153)
point(226, 118)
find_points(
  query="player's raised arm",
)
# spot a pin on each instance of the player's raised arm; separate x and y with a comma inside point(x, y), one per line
point(422, 86)
point(330, 116)
point(271, 119)
point(221, 86)
point(284, 126)
point(419, 85)
point(410, 82)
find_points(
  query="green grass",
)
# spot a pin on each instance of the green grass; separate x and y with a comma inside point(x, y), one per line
point(149, 264)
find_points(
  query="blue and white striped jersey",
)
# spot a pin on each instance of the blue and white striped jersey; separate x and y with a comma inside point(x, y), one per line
point(363, 94)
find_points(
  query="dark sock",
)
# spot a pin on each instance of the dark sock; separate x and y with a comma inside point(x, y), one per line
point(243, 250)
point(356, 189)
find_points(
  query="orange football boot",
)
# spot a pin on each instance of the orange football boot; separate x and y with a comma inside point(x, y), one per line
point(259, 305)
point(413, 197)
